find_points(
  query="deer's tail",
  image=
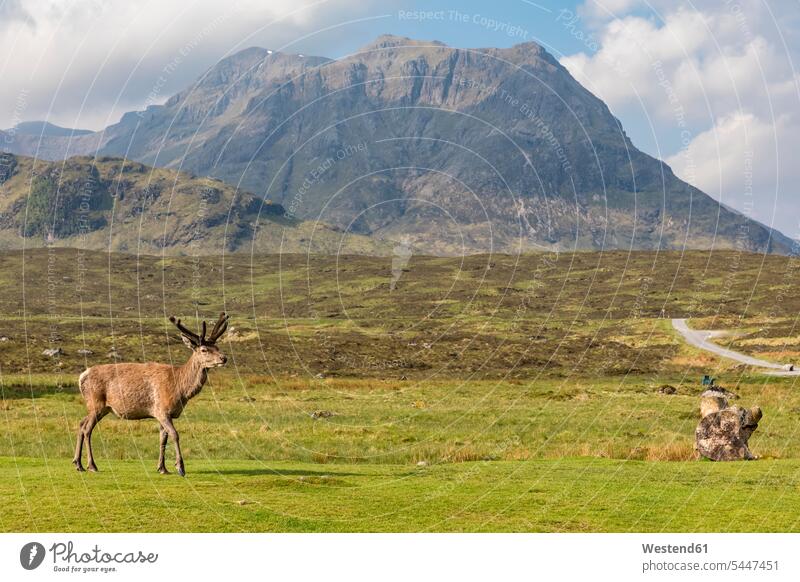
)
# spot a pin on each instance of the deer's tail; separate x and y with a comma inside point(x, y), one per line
point(82, 381)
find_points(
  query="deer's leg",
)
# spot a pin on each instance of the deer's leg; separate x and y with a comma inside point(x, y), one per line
point(79, 446)
point(163, 436)
point(173, 434)
point(88, 427)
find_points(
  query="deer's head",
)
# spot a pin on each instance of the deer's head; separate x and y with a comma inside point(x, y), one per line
point(204, 349)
